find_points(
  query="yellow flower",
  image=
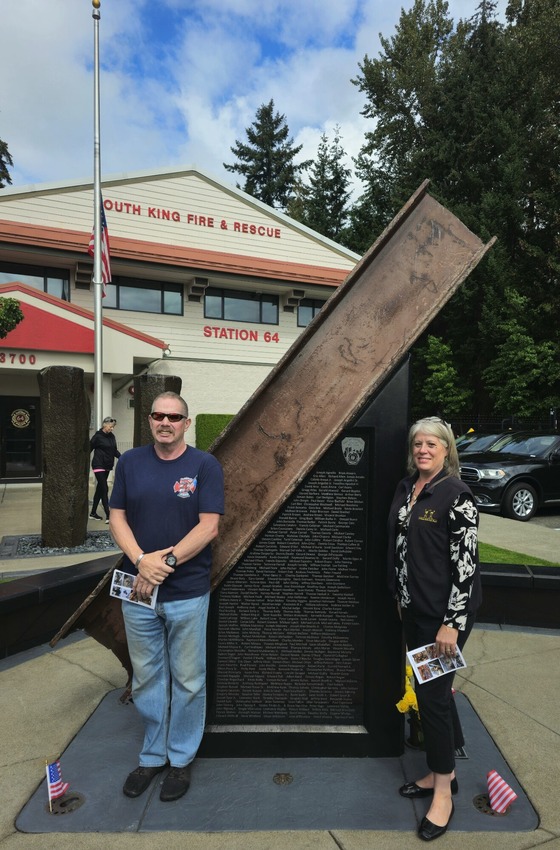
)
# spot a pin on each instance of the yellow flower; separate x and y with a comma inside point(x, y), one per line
point(408, 700)
point(402, 706)
point(410, 697)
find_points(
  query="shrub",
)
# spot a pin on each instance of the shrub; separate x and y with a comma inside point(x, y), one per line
point(209, 426)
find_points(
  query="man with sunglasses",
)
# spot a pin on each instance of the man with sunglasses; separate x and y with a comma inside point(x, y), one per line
point(165, 509)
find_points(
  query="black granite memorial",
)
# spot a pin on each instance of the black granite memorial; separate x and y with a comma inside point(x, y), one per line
point(305, 648)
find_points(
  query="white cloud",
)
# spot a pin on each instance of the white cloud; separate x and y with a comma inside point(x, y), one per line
point(181, 79)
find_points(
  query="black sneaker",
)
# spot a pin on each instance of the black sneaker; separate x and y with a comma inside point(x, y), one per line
point(94, 516)
point(137, 781)
point(176, 783)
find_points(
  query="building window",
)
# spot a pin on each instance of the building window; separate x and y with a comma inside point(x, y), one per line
point(54, 281)
point(237, 306)
point(307, 310)
point(144, 296)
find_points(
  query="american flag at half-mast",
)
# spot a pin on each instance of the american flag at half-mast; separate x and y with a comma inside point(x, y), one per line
point(55, 784)
point(105, 255)
point(500, 794)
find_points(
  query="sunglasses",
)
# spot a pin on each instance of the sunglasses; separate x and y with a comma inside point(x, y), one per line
point(436, 419)
point(173, 417)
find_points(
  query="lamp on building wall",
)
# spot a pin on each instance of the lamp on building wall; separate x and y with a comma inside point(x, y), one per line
point(166, 352)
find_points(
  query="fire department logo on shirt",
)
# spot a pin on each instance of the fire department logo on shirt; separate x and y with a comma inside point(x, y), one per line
point(185, 487)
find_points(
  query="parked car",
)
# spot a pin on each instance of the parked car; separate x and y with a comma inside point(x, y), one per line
point(475, 441)
point(463, 440)
point(517, 475)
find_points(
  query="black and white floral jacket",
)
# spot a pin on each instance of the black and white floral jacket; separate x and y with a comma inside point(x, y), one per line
point(433, 550)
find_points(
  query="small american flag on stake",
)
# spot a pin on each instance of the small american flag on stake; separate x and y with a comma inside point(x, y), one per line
point(500, 794)
point(105, 256)
point(55, 785)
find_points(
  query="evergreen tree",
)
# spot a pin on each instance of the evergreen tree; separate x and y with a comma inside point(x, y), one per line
point(368, 216)
point(442, 390)
point(5, 163)
point(323, 204)
point(266, 160)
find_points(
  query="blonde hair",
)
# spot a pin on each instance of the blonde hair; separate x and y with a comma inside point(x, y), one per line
point(436, 427)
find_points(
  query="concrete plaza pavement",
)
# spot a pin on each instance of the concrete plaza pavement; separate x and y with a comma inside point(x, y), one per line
point(46, 696)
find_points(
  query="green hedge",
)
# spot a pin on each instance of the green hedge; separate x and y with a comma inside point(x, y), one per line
point(209, 426)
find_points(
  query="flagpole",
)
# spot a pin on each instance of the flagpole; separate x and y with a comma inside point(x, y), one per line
point(48, 785)
point(97, 270)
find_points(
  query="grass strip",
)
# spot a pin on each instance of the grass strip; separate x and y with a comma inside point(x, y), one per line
point(494, 555)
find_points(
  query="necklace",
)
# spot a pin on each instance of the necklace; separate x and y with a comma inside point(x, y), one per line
point(415, 492)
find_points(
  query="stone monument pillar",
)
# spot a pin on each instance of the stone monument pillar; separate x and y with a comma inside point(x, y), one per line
point(65, 413)
point(146, 388)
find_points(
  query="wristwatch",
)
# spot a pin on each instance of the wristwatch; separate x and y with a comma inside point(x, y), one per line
point(171, 560)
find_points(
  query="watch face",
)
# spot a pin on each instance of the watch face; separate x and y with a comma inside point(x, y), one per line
point(171, 560)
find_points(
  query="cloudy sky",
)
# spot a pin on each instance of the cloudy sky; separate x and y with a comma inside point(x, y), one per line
point(180, 79)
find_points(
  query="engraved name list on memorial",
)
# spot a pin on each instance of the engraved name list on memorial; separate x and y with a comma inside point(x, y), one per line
point(291, 614)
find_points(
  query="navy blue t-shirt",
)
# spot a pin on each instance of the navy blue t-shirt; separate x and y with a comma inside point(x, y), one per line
point(163, 500)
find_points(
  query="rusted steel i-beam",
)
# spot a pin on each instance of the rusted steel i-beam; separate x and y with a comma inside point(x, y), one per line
point(335, 366)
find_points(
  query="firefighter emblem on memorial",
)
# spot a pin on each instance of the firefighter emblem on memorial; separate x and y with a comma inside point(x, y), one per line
point(353, 450)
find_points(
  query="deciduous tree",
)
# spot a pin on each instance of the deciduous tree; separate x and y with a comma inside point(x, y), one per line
point(10, 315)
point(474, 107)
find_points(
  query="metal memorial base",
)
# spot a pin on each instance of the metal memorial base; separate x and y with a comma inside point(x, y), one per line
point(267, 794)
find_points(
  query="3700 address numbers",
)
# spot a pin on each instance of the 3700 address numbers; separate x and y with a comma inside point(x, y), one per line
point(22, 359)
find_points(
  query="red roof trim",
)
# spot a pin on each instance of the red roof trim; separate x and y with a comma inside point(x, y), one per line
point(135, 249)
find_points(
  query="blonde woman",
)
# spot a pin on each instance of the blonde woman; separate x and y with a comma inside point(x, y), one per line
point(434, 577)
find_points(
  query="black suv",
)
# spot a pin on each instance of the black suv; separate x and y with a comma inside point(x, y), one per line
point(517, 475)
point(478, 442)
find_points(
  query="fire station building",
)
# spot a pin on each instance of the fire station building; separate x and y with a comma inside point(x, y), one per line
point(208, 284)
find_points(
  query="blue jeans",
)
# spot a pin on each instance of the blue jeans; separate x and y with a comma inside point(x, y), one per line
point(167, 647)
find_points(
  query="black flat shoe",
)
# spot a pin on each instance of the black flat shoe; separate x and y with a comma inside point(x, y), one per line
point(428, 831)
point(412, 791)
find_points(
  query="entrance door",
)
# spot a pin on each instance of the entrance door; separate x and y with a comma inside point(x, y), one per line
point(20, 438)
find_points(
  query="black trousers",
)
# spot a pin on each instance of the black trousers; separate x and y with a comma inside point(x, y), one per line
point(438, 713)
point(101, 492)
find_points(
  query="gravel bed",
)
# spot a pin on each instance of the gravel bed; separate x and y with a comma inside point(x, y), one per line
point(96, 541)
